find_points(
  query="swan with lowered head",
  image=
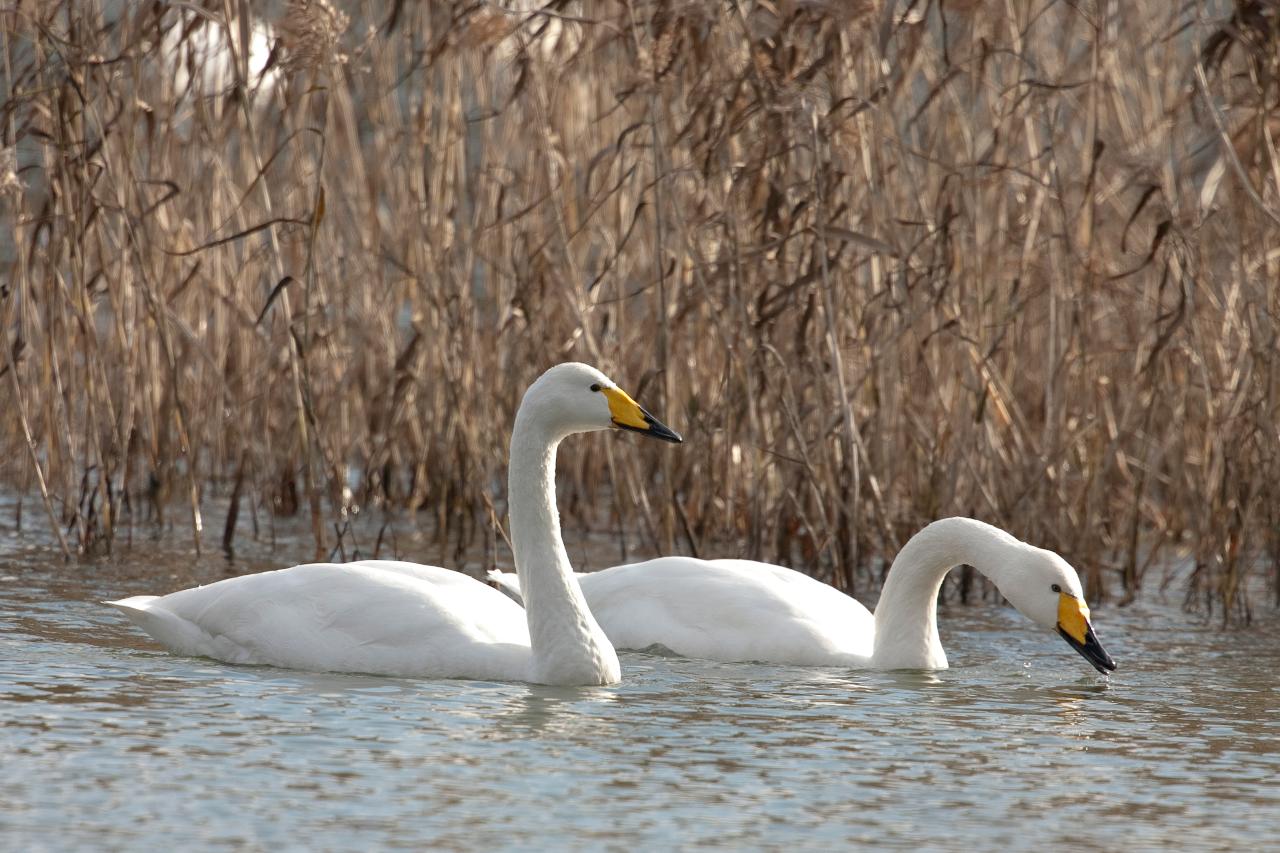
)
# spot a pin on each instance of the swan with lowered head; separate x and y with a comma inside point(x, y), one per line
point(392, 618)
point(741, 610)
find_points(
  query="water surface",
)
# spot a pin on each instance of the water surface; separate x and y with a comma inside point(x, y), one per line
point(109, 742)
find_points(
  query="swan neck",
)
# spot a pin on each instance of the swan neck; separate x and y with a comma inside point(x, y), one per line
point(907, 615)
point(568, 645)
point(535, 521)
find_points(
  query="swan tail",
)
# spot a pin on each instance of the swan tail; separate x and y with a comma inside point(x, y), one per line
point(508, 582)
point(178, 635)
point(134, 604)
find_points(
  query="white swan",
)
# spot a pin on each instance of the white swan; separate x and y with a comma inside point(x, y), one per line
point(741, 610)
point(393, 618)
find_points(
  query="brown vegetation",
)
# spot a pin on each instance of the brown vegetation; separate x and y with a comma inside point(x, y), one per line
point(880, 262)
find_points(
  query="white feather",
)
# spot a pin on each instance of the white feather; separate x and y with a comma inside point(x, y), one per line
point(741, 610)
point(395, 618)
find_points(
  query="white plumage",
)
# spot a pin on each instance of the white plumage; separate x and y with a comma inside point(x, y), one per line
point(379, 616)
point(395, 618)
point(728, 610)
point(741, 610)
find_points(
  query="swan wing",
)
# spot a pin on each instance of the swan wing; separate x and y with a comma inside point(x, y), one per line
point(729, 610)
point(380, 617)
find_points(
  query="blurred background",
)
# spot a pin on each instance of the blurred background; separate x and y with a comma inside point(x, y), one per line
point(879, 262)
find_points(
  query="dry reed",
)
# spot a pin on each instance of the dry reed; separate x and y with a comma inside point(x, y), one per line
point(881, 262)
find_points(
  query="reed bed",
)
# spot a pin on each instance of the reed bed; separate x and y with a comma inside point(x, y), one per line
point(879, 262)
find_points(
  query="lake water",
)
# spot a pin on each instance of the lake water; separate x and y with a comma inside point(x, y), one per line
point(107, 742)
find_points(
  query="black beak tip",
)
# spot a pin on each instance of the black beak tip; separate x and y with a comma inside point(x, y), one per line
point(654, 428)
point(1103, 664)
point(1092, 651)
point(657, 430)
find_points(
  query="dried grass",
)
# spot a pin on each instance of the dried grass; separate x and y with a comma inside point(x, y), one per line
point(880, 262)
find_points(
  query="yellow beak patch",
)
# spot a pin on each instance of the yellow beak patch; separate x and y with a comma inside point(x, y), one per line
point(1073, 616)
point(624, 411)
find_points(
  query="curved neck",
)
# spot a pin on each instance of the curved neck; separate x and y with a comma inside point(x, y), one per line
point(907, 614)
point(568, 645)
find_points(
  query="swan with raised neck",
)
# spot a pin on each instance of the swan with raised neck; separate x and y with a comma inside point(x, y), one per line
point(568, 645)
point(403, 619)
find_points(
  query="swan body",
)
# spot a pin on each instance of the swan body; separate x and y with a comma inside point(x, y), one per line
point(742, 610)
point(402, 619)
point(372, 616)
point(726, 610)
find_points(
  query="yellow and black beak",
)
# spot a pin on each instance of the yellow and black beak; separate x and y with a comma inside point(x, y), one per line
point(628, 414)
point(1073, 625)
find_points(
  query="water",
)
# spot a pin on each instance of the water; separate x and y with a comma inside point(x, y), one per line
point(107, 742)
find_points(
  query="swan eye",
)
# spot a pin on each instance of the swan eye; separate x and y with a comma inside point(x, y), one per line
point(595, 386)
point(1056, 588)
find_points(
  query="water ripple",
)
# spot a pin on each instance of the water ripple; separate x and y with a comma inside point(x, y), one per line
point(109, 742)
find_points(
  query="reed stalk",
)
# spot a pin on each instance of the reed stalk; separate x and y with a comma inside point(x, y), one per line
point(880, 263)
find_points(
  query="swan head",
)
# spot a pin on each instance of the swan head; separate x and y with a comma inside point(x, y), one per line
point(575, 397)
point(1047, 590)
